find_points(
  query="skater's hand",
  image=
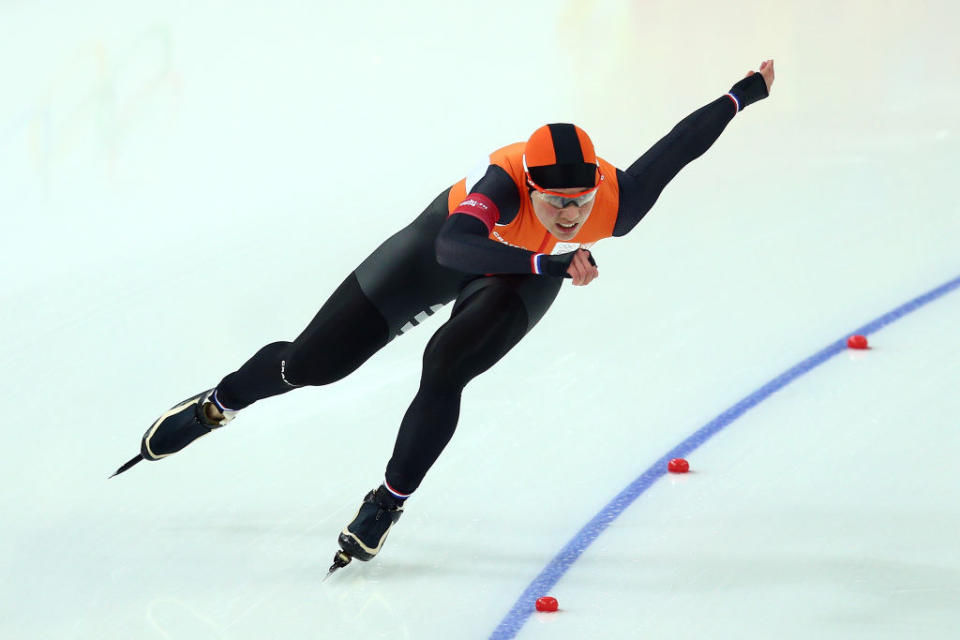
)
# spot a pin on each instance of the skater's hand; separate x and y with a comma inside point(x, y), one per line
point(582, 268)
point(766, 70)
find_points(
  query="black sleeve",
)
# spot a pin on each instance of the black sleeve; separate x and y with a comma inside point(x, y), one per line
point(464, 244)
point(644, 180)
point(497, 185)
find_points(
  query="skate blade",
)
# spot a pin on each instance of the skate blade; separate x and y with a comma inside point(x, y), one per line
point(340, 560)
point(127, 465)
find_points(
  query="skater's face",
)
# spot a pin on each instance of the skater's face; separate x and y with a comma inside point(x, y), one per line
point(563, 217)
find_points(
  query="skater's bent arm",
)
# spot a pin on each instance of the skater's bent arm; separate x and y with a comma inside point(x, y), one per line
point(644, 180)
point(464, 244)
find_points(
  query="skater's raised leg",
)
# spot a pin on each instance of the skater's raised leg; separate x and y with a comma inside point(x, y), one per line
point(346, 331)
point(392, 290)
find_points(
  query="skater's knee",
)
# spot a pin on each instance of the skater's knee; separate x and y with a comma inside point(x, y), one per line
point(295, 370)
point(444, 368)
point(301, 370)
point(448, 362)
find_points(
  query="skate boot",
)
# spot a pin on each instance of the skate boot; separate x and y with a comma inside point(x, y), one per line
point(181, 425)
point(363, 538)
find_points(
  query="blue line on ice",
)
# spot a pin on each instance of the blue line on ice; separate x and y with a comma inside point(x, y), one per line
point(551, 574)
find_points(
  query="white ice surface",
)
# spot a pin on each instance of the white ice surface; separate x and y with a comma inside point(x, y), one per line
point(181, 183)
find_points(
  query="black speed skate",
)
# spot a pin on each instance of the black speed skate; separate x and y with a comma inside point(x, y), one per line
point(178, 427)
point(364, 536)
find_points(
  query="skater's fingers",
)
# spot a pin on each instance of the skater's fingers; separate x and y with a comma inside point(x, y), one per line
point(766, 70)
point(573, 269)
point(578, 269)
point(576, 272)
point(590, 274)
point(590, 270)
point(585, 270)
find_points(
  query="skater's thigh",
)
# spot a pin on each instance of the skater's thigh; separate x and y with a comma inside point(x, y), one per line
point(535, 293)
point(344, 333)
point(491, 315)
point(393, 289)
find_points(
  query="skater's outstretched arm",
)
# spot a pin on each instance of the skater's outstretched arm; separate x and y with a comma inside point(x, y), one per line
point(644, 180)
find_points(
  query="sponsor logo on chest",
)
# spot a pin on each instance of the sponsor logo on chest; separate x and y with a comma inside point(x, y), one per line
point(565, 247)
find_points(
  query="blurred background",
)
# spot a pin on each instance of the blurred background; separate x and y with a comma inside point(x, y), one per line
point(183, 182)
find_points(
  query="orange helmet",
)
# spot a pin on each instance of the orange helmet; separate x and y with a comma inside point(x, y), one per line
point(560, 156)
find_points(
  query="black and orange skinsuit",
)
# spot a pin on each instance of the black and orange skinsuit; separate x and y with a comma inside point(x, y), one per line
point(480, 245)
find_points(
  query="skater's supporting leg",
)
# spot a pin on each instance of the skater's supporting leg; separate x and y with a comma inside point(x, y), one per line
point(491, 316)
point(346, 331)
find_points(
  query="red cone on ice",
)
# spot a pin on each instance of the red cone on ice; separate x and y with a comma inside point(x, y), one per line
point(546, 603)
point(857, 342)
point(678, 465)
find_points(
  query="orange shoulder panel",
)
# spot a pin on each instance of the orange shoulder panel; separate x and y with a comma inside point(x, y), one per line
point(510, 159)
